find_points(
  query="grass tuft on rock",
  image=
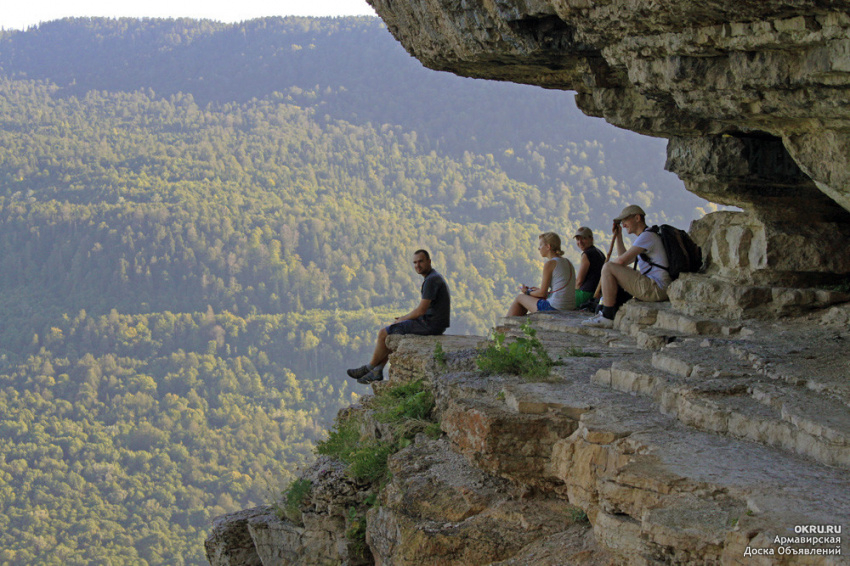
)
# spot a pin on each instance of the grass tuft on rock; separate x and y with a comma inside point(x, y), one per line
point(293, 497)
point(524, 356)
point(576, 352)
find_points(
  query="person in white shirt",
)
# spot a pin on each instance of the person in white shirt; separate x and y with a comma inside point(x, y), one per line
point(648, 283)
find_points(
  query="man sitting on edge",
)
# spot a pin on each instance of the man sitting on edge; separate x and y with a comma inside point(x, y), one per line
point(431, 317)
point(649, 283)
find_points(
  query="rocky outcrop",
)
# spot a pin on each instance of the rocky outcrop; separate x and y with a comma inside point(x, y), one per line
point(752, 94)
point(672, 439)
point(772, 74)
point(263, 537)
point(441, 509)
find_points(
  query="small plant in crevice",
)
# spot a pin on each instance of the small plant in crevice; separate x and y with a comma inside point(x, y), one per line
point(356, 534)
point(525, 356)
point(578, 515)
point(371, 500)
point(842, 287)
point(433, 431)
point(576, 352)
point(293, 497)
point(440, 356)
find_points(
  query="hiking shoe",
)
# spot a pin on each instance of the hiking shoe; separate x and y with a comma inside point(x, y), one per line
point(598, 321)
point(376, 374)
point(358, 373)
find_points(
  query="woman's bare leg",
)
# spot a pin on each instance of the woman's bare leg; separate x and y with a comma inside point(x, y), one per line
point(523, 304)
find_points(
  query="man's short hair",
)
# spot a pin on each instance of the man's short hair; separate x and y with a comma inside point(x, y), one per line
point(427, 255)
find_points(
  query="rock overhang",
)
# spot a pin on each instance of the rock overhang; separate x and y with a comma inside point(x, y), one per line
point(766, 70)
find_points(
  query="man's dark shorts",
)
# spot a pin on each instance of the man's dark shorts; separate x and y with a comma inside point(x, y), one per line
point(415, 326)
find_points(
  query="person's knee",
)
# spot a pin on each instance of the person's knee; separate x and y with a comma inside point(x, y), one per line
point(382, 334)
point(615, 271)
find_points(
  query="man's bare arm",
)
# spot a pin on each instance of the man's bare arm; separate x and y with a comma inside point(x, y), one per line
point(420, 310)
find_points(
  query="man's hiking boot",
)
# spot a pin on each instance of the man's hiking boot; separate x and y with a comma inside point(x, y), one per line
point(376, 374)
point(358, 373)
point(598, 321)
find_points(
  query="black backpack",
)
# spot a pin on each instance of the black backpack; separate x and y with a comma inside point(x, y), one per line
point(683, 255)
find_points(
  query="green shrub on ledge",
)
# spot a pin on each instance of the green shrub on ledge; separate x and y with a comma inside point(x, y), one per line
point(406, 408)
point(525, 356)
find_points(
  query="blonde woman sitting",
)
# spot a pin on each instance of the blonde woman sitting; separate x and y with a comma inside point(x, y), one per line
point(557, 285)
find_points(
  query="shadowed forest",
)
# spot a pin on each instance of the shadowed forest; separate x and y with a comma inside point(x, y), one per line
point(202, 225)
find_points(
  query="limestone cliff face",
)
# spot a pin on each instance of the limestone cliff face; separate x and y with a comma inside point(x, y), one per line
point(748, 77)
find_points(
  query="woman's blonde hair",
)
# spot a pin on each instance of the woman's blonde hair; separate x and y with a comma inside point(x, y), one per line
point(554, 242)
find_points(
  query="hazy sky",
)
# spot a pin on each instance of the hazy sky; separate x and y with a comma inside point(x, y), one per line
point(19, 14)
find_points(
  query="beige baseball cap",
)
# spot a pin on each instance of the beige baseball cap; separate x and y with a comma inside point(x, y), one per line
point(630, 210)
point(583, 232)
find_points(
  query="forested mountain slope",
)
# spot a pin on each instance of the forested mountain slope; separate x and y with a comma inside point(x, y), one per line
point(202, 224)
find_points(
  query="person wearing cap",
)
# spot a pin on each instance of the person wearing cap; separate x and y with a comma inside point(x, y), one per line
point(590, 266)
point(648, 283)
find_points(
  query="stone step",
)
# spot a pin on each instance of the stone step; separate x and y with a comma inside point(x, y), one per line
point(701, 358)
point(655, 487)
point(739, 405)
point(817, 361)
point(651, 485)
point(560, 345)
point(810, 409)
point(817, 414)
point(565, 322)
point(652, 338)
point(701, 295)
point(663, 316)
point(655, 325)
point(568, 327)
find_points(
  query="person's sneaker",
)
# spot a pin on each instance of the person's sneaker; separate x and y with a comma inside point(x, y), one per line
point(598, 321)
point(376, 374)
point(358, 373)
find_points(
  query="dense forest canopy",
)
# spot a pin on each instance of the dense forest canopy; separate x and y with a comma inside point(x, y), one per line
point(202, 225)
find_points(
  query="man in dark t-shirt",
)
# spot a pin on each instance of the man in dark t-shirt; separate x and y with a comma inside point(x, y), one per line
point(430, 317)
point(590, 266)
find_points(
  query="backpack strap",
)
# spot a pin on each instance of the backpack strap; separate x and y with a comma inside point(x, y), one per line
point(645, 257)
